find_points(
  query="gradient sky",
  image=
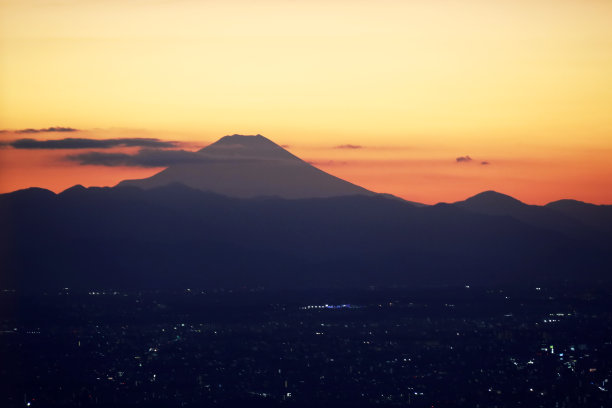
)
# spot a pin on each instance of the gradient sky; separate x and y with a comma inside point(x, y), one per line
point(523, 85)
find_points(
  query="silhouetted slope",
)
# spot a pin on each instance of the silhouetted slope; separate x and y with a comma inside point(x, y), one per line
point(251, 166)
point(596, 216)
point(175, 236)
point(494, 203)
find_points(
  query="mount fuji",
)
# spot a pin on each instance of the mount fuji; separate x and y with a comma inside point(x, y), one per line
point(251, 166)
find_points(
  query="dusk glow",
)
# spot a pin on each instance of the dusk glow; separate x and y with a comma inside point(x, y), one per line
point(522, 85)
point(305, 203)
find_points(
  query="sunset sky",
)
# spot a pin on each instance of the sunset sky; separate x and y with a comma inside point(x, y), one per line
point(430, 100)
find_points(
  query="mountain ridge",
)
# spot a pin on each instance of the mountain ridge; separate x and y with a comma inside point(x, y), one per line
point(177, 236)
point(250, 213)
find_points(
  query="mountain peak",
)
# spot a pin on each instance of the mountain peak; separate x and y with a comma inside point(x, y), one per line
point(569, 203)
point(238, 137)
point(30, 192)
point(77, 188)
point(251, 166)
point(247, 147)
point(493, 197)
point(247, 140)
point(491, 202)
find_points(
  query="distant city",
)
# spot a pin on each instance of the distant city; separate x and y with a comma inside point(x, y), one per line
point(459, 346)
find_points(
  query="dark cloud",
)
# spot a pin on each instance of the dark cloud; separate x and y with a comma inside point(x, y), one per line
point(485, 163)
point(155, 158)
point(49, 129)
point(348, 146)
point(463, 159)
point(101, 159)
point(144, 158)
point(81, 143)
point(327, 163)
point(285, 146)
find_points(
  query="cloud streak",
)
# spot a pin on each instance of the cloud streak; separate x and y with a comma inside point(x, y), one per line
point(348, 146)
point(154, 158)
point(82, 143)
point(468, 159)
point(49, 129)
point(327, 163)
point(144, 158)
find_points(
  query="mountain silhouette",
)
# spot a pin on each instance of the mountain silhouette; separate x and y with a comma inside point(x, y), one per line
point(249, 213)
point(251, 166)
point(175, 236)
point(498, 204)
point(492, 201)
point(595, 216)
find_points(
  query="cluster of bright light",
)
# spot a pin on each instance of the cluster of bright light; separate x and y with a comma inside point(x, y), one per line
point(326, 306)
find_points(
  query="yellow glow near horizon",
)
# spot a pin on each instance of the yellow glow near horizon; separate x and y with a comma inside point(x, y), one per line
point(514, 79)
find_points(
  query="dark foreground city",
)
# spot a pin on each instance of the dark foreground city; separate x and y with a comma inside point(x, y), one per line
point(427, 347)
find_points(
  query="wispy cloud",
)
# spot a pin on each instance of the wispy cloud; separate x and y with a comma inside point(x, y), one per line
point(49, 129)
point(327, 162)
point(143, 158)
point(348, 146)
point(82, 143)
point(468, 159)
point(157, 158)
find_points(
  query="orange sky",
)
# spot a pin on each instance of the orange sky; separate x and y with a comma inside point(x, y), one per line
point(523, 85)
